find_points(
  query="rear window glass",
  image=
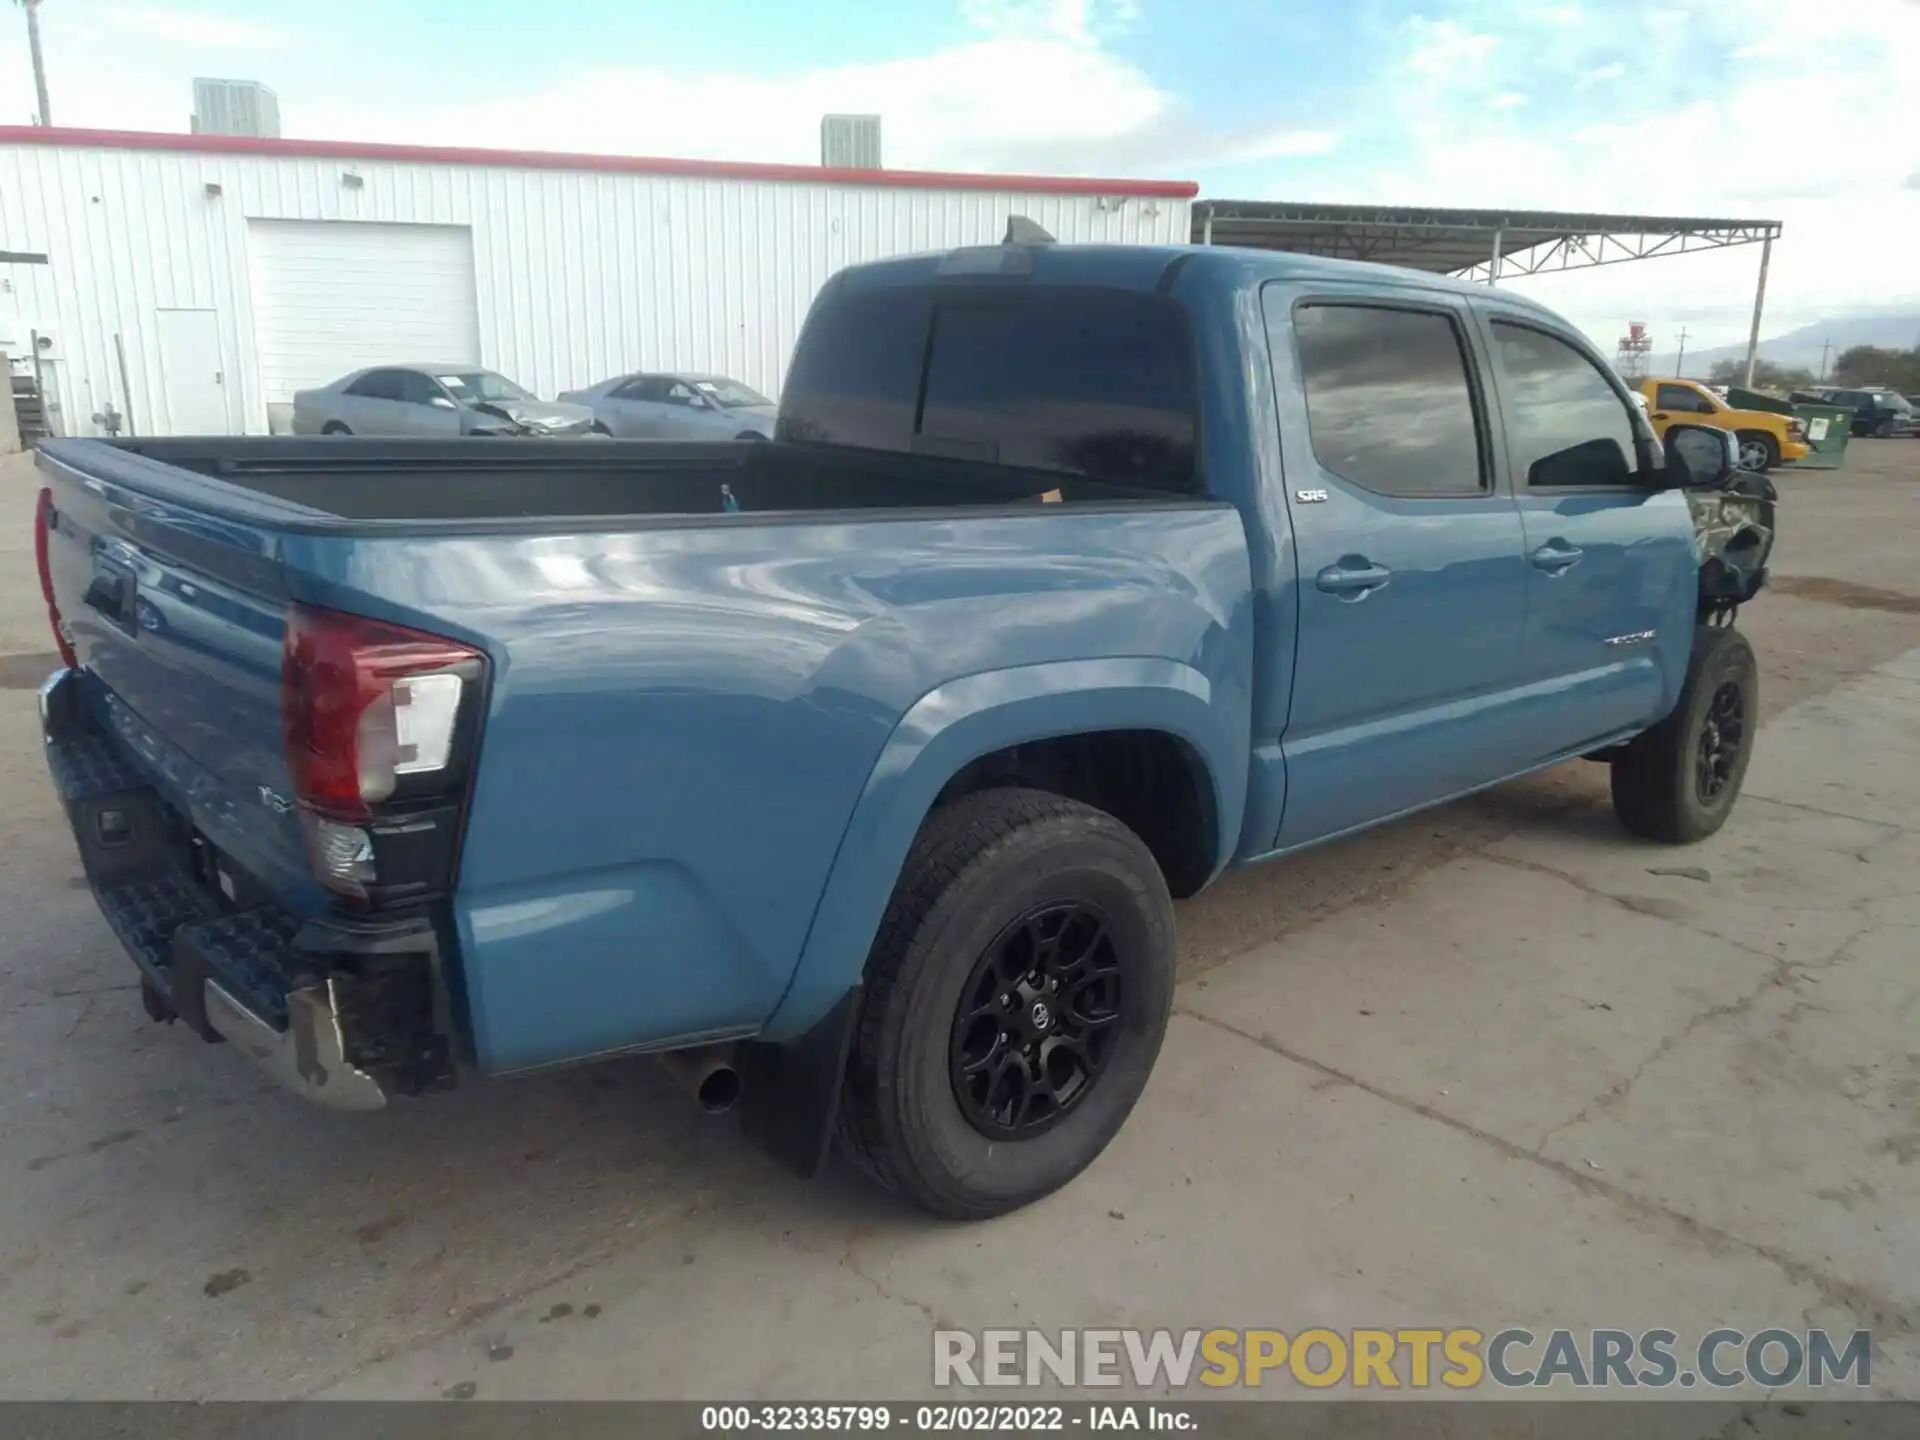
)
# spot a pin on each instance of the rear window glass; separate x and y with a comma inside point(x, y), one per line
point(856, 372)
point(1093, 383)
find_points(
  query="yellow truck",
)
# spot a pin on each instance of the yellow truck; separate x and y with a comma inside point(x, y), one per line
point(1766, 439)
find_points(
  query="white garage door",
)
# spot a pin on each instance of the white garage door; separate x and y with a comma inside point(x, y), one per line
point(330, 296)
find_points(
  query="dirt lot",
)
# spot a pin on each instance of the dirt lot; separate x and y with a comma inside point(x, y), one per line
point(1488, 1065)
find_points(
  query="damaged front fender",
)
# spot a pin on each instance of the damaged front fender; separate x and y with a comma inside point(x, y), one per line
point(1733, 533)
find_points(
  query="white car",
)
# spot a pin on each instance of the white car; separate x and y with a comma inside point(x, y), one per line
point(677, 407)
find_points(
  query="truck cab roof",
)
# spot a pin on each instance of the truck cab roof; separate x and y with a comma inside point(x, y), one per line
point(1152, 267)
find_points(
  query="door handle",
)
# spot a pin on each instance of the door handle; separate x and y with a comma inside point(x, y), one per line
point(1661, 415)
point(1556, 557)
point(1353, 577)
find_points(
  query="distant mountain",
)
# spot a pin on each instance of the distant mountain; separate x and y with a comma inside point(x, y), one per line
point(1802, 346)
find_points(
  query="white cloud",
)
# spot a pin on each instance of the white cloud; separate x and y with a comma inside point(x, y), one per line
point(1446, 54)
point(186, 27)
point(1037, 86)
point(950, 108)
point(1077, 22)
point(1762, 128)
point(1033, 90)
point(1032, 86)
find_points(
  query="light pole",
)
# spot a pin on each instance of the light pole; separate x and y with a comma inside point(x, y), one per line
point(39, 62)
point(1680, 361)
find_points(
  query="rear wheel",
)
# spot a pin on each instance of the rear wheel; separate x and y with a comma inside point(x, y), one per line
point(334, 427)
point(1677, 783)
point(1016, 998)
point(1758, 450)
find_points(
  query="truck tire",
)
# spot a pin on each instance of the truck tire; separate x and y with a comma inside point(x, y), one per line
point(1677, 783)
point(1758, 450)
point(1028, 927)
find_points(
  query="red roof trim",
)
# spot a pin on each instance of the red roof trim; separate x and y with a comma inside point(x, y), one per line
point(556, 160)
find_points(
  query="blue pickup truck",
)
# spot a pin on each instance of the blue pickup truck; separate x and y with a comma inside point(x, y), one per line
point(853, 773)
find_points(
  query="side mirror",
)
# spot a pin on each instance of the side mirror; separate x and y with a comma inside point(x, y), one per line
point(1700, 457)
point(442, 402)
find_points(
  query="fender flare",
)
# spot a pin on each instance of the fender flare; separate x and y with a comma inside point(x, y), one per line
point(956, 723)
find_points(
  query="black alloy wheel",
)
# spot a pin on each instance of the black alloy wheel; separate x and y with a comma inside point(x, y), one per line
point(1037, 1020)
point(1723, 732)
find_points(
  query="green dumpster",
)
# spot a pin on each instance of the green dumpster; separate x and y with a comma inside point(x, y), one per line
point(1828, 427)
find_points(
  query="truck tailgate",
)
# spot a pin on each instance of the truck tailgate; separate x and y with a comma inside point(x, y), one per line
point(179, 619)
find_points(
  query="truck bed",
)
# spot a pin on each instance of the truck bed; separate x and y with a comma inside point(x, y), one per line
point(681, 705)
point(520, 480)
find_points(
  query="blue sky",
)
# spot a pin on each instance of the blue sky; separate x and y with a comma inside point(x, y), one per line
point(1653, 106)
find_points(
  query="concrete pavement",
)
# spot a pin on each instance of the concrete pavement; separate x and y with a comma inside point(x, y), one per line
point(1574, 1080)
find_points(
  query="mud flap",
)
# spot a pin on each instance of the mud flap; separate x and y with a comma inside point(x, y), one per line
point(790, 1093)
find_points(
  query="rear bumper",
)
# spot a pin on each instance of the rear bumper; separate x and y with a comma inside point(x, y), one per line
point(343, 1015)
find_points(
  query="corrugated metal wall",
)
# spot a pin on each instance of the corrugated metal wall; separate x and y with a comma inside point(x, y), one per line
point(578, 275)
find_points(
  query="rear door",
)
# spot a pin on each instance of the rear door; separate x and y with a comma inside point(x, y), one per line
point(1412, 582)
point(371, 405)
point(1610, 573)
point(192, 374)
point(619, 408)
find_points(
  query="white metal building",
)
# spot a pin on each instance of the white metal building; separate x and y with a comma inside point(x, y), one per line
point(236, 270)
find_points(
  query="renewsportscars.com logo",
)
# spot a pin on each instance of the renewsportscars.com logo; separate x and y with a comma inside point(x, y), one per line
point(1412, 1359)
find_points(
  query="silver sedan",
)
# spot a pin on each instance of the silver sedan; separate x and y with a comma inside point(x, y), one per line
point(444, 401)
point(677, 407)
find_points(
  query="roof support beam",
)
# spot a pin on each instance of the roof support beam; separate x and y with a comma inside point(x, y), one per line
point(1480, 245)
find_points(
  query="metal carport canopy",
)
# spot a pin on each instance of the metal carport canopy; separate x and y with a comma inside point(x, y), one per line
point(1466, 242)
point(1484, 245)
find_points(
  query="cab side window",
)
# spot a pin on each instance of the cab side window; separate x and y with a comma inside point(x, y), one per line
point(377, 385)
point(1566, 426)
point(1679, 397)
point(1389, 402)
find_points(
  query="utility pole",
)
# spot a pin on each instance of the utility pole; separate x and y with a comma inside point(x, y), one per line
point(1759, 303)
point(1825, 346)
point(1680, 361)
point(39, 63)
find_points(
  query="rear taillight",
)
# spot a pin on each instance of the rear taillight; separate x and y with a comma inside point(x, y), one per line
point(379, 723)
point(45, 517)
